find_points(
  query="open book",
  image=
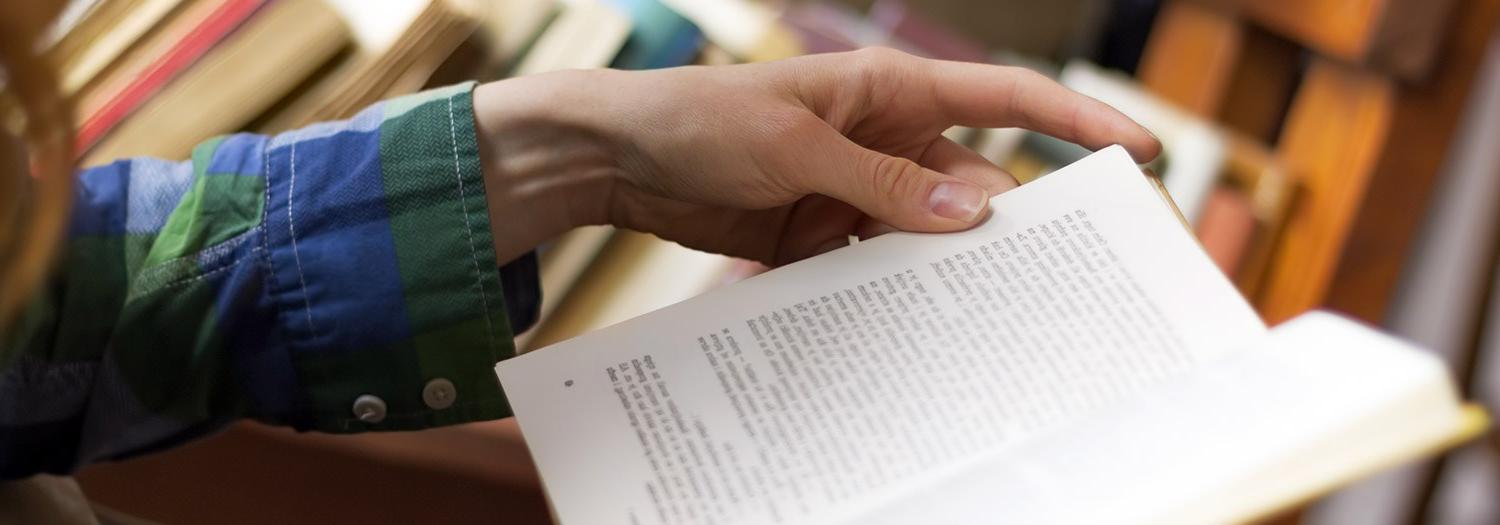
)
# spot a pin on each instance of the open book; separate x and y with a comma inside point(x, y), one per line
point(1074, 359)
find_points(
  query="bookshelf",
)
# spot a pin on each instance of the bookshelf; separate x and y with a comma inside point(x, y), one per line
point(1363, 136)
point(1397, 37)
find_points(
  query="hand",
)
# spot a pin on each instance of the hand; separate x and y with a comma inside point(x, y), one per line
point(774, 162)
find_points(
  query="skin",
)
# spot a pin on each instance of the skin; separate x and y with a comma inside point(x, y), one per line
point(775, 161)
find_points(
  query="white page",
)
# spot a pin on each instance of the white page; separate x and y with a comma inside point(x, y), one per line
point(1319, 402)
point(809, 392)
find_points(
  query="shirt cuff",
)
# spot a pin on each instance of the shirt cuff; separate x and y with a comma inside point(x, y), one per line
point(382, 273)
point(521, 281)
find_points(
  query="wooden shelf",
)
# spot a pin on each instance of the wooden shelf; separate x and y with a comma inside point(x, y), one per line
point(1397, 37)
point(1364, 141)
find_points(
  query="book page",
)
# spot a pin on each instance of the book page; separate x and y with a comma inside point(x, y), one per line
point(1318, 403)
point(812, 391)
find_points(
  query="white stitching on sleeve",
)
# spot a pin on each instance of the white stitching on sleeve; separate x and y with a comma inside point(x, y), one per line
point(469, 229)
point(291, 231)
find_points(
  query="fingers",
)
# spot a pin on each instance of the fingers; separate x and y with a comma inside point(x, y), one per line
point(976, 95)
point(895, 190)
point(946, 156)
point(983, 95)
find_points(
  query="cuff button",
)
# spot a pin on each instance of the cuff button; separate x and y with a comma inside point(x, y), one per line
point(369, 409)
point(439, 394)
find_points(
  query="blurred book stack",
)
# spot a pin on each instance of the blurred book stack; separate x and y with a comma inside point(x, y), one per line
point(206, 68)
point(392, 56)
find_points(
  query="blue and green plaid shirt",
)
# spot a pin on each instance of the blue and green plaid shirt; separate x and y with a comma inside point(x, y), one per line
point(302, 279)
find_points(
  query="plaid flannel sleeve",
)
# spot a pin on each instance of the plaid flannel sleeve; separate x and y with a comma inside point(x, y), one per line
point(338, 278)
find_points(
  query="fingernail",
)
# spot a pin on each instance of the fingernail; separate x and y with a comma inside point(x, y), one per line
point(1159, 145)
point(957, 200)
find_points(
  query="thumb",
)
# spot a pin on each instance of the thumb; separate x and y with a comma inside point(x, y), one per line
point(898, 191)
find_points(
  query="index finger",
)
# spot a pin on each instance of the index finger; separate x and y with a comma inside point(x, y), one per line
point(990, 96)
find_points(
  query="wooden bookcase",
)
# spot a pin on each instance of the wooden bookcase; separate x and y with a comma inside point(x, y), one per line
point(1358, 98)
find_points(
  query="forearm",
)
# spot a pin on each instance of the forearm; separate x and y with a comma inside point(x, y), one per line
point(547, 167)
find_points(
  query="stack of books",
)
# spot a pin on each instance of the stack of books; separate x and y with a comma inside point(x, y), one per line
point(155, 77)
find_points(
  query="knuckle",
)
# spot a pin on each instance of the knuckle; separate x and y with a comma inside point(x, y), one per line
point(1024, 73)
point(880, 73)
point(893, 177)
point(877, 58)
point(879, 52)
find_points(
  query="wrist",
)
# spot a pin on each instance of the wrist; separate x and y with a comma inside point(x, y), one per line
point(549, 166)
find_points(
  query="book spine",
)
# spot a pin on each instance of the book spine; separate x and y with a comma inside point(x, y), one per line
point(223, 21)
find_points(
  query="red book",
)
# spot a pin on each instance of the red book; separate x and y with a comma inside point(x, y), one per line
point(1225, 227)
point(223, 20)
